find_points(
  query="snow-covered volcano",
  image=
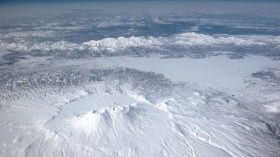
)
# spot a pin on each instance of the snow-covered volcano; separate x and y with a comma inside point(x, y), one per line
point(102, 81)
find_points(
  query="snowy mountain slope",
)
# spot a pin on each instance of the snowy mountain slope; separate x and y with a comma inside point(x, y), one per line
point(125, 112)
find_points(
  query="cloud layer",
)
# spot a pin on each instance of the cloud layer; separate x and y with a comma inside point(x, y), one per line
point(184, 44)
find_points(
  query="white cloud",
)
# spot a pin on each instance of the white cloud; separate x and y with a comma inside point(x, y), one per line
point(29, 34)
point(185, 41)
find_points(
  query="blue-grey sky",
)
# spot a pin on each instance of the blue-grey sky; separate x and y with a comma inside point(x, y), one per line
point(118, 0)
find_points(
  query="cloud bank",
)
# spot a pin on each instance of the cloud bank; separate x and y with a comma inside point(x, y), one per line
point(189, 43)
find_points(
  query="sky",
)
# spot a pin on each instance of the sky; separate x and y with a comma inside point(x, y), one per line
point(118, 0)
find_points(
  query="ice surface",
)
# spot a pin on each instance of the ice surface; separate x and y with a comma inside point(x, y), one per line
point(220, 71)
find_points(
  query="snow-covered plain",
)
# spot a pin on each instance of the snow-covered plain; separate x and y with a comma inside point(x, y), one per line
point(85, 81)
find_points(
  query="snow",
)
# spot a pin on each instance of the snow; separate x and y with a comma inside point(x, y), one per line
point(140, 79)
point(273, 107)
point(124, 115)
point(219, 72)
